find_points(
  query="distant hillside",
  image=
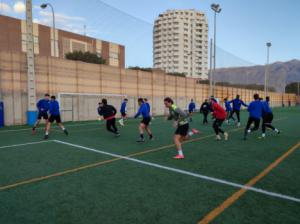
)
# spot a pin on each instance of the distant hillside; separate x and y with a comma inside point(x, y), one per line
point(280, 74)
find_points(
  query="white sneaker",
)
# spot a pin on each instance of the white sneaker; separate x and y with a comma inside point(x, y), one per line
point(218, 138)
point(226, 136)
point(238, 124)
point(121, 122)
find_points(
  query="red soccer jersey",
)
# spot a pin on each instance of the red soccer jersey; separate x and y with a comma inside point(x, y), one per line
point(219, 112)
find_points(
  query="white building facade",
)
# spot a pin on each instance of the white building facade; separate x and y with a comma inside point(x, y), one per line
point(180, 43)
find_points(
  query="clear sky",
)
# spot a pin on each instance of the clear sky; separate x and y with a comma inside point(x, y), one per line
point(244, 26)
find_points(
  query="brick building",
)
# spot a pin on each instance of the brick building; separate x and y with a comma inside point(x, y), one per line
point(13, 38)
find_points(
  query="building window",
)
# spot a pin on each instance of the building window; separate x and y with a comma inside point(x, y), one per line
point(99, 52)
point(113, 55)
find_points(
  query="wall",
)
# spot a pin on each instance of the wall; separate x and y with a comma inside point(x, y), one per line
point(55, 75)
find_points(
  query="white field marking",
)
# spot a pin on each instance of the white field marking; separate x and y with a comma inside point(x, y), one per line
point(28, 129)
point(203, 177)
point(24, 144)
point(66, 125)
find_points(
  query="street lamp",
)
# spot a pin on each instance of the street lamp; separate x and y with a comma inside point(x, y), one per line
point(217, 9)
point(43, 6)
point(267, 68)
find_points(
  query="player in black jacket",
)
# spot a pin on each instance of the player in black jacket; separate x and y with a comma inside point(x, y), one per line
point(109, 114)
point(205, 109)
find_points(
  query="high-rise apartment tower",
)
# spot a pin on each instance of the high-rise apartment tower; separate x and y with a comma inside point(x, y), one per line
point(180, 43)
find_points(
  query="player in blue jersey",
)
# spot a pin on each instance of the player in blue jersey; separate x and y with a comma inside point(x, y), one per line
point(54, 116)
point(43, 108)
point(255, 109)
point(123, 112)
point(144, 125)
point(236, 105)
point(228, 109)
point(192, 107)
point(267, 116)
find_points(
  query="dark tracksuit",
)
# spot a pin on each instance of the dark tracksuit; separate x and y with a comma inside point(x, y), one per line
point(205, 109)
point(236, 104)
point(109, 112)
point(267, 117)
point(255, 109)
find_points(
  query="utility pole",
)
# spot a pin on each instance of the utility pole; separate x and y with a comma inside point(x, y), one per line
point(31, 86)
point(211, 73)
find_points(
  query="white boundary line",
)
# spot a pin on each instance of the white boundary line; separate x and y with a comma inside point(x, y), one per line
point(24, 144)
point(29, 129)
point(203, 177)
point(66, 125)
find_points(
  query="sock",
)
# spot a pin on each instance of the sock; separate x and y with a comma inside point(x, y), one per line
point(249, 131)
point(263, 135)
point(190, 133)
point(46, 133)
point(142, 136)
point(180, 152)
point(63, 128)
point(276, 130)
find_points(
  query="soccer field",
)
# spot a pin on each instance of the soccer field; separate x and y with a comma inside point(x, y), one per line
point(91, 176)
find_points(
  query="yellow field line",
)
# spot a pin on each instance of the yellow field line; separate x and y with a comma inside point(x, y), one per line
point(234, 197)
point(37, 179)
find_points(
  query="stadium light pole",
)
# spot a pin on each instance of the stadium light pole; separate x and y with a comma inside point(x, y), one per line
point(217, 9)
point(43, 6)
point(269, 44)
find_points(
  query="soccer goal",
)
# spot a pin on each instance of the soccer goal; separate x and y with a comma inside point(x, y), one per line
point(83, 106)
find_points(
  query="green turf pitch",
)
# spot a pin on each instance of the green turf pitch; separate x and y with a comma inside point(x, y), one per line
point(122, 191)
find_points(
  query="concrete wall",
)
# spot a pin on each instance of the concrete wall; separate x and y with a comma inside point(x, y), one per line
point(55, 75)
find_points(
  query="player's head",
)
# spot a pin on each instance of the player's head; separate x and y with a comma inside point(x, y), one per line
point(125, 100)
point(256, 96)
point(104, 101)
point(206, 100)
point(213, 100)
point(237, 96)
point(226, 99)
point(192, 100)
point(260, 98)
point(140, 101)
point(53, 98)
point(145, 100)
point(268, 99)
point(168, 102)
point(100, 104)
point(46, 96)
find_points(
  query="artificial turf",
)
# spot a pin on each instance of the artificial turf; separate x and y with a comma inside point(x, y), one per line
point(123, 191)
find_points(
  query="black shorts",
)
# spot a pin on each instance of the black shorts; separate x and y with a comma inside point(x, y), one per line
point(123, 114)
point(268, 118)
point(146, 121)
point(43, 115)
point(56, 118)
point(182, 130)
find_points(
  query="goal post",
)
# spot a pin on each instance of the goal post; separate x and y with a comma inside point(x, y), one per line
point(83, 106)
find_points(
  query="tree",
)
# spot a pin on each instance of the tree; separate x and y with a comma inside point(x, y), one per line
point(85, 57)
point(293, 88)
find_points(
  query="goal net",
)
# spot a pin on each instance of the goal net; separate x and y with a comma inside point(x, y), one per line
point(83, 106)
